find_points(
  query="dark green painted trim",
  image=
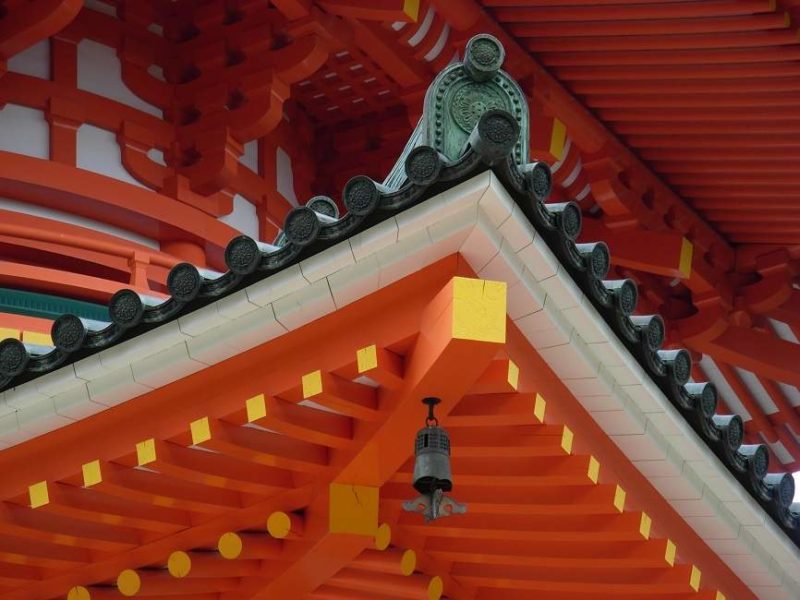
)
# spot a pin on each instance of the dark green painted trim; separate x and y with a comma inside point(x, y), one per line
point(46, 306)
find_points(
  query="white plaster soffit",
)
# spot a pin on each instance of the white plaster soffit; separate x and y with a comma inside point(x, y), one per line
point(479, 220)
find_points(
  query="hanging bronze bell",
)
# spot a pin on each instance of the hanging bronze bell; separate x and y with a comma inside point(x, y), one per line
point(432, 474)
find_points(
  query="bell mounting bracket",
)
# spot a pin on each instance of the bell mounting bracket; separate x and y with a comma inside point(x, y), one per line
point(431, 402)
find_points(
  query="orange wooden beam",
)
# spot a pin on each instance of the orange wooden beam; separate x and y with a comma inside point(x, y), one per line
point(124, 205)
point(28, 23)
point(376, 10)
point(666, 253)
point(597, 11)
point(462, 326)
point(789, 311)
point(760, 352)
point(222, 389)
point(159, 549)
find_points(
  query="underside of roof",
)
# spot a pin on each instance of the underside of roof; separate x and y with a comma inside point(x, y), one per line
point(706, 93)
point(226, 494)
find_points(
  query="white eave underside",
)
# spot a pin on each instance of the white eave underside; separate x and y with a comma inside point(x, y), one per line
point(479, 220)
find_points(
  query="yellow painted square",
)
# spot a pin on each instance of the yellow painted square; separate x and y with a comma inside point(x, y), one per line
point(694, 579)
point(7, 332)
point(34, 337)
point(201, 430)
point(91, 473)
point(558, 138)
point(594, 469)
point(38, 495)
point(669, 553)
point(312, 384)
point(367, 358)
point(644, 526)
point(411, 9)
point(256, 408)
point(146, 452)
point(353, 509)
point(479, 310)
point(619, 499)
point(566, 440)
point(685, 261)
point(539, 407)
point(513, 374)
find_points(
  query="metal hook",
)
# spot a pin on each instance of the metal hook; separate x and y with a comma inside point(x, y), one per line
point(431, 402)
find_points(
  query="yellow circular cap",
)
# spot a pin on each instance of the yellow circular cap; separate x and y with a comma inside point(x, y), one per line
point(408, 562)
point(435, 588)
point(383, 537)
point(78, 593)
point(279, 525)
point(129, 583)
point(229, 545)
point(179, 564)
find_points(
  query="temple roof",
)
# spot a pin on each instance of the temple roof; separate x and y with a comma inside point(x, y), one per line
point(472, 123)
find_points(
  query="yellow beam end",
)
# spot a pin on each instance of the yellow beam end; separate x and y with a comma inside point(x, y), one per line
point(513, 374)
point(201, 430)
point(33, 337)
point(179, 564)
point(353, 509)
point(279, 525)
point(669, 553)
point(312, 384)
point(594, 469)
point(685, 262)
point(146, 452)
point(435, 588)
point(230, 545)
point(719, 596)
point(539, 407)
point(479, 310)
point(367, 358)
point(558, 138)
point(619, 499)
point(256, 408)
point(92, 474)
point(7, 332)
point(78, 593)
point(408, 562)
point(787, 19)
point(566, 439)
point(383, 537)
point(129, 583)
point(411, 10)
point(644, 526)
point(694, 579)
point(38, 495)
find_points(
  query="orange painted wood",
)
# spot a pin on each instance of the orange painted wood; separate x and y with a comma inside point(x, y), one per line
point(31, 22)
point(431, 369)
